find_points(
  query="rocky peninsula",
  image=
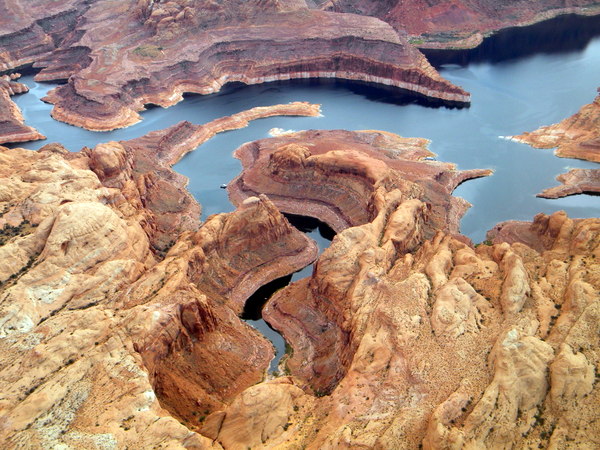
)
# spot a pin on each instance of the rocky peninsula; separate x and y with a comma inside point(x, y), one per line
point(577, 136)
point(12, 124)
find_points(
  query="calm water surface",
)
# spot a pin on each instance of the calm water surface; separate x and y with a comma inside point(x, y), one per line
point(508, 97)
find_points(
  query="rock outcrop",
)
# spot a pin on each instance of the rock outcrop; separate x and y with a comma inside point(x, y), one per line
point(577, 136)
point(575, 181)
point(12, 124)
point(458, 23)
point(139, 170)
point(346, 178)
point(403, 335)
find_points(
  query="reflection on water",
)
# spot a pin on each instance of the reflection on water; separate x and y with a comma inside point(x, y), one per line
point(562, 34)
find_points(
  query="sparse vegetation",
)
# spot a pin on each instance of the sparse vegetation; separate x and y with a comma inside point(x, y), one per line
point(148, 51)
point(9, 232)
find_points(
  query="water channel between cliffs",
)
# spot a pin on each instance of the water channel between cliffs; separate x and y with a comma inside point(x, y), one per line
point(509, 96)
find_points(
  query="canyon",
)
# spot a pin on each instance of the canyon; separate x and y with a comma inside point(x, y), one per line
point(121, 301)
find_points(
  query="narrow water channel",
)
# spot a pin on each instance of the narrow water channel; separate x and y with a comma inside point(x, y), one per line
point(516, 86)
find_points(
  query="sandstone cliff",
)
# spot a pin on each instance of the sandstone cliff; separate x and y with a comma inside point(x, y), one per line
point(403, 336)
point(444, 346)
point(575, 181)
point(346, 178)
point(93, 328)
point(458, 23)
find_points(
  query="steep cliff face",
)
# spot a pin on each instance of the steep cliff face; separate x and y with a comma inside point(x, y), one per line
point(346, 178)
point(31, 30)
point(119, 56)
point(12, 124)
point(577, 136)
point(458, 23)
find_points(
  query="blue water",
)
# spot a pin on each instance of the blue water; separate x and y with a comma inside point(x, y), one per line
point(508, 97)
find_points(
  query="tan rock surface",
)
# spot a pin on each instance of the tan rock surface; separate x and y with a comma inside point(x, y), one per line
point(95, 332)
point(410, 352)
point(404, 335)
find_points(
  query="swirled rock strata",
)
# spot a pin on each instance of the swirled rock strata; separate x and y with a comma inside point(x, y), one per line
point(403, 336)
point(440, 346)
point(97, 332)
point(346, 178)
point(120, 56)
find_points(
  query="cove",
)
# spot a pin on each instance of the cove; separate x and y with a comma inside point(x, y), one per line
point(510, 95)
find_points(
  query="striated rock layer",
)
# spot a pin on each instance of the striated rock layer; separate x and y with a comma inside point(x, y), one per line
point(120, 56)
point(346, 178)
point(459, 23)
point(575, 137)
point(575, 181)
point(139, 170)
point(12, 124)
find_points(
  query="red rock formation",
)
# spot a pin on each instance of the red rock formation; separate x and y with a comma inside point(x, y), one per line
point(12, 126)
point(119, 57)
point(575, 137)
point(398, 340)
point(199, 354)
point(445, 346)
point(575, 181)
point(459, 23)
point(346, 178)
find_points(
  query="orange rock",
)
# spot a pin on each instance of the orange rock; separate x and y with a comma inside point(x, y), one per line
point(575, 181)
point(345, 178)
